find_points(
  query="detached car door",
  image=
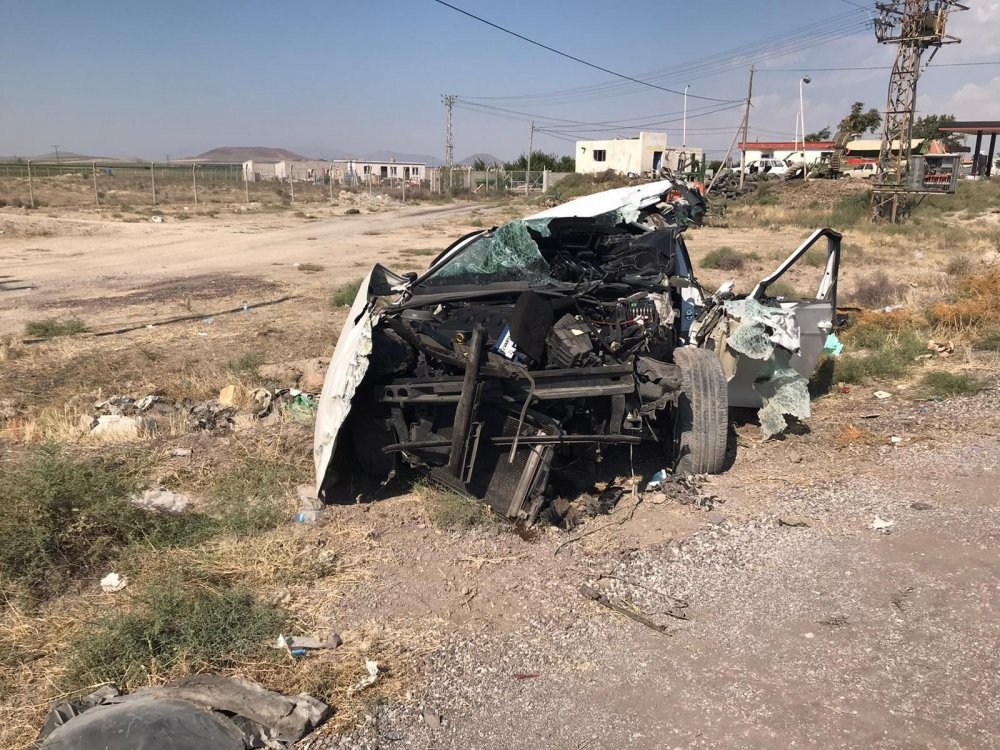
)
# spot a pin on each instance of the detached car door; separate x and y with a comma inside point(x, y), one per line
point(813, 315)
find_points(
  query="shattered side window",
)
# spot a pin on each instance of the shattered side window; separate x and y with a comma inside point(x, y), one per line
point(508, 254)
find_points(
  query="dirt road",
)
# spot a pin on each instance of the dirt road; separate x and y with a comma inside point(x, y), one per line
point(808, 628)
point(46, 260)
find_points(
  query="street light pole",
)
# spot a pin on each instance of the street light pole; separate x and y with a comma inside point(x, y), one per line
point(802, 121)
point(684, 138)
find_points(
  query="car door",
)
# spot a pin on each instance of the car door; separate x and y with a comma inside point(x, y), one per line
point(812, 314)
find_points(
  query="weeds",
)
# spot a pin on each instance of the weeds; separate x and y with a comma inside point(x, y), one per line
point(174, 626)
point(724, 259)
point(977, 304)
point(51, 328)
point(878, 290)
point(449, 510)
point(958, 265)
point(64, 519)
point(890, 346)
point(989, 341)
point(345, 294)
point(245, 498)
point(248, 365)
point(782, 288)
point(310, 267)
point(939, 384)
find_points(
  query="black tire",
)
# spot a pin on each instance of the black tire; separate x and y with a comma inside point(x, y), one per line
point(701, 420)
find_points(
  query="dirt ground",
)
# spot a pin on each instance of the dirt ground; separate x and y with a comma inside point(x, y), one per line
point(805, 626)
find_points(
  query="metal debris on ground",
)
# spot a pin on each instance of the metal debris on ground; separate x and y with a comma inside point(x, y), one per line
point(881, 524)
point(213, 416)
point(192, 713)
point(604, 601)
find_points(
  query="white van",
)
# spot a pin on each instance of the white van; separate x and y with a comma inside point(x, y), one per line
point(862, 171)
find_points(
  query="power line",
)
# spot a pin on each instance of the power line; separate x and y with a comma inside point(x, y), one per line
point(879, 67)
point(574, 58)
point(788, 42)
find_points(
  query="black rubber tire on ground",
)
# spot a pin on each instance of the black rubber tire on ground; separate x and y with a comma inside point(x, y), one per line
point(701, 419)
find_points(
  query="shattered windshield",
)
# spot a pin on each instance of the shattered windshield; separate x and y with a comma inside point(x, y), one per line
point(505, 255)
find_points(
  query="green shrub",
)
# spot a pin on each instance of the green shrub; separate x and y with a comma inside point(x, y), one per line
point(782, 288)
point(724, 259)
point(245, 498)
point(173, 625)
point(449, 510)
point(248, 364)
point(51, 328)
point(63, 519)
point(345, 294)
point(989, 341)
point(310, 267)
point(940, 384)
point(958, 265)
point(887, 355)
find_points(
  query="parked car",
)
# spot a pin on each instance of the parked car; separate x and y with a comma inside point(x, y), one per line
point(862, 171)
point(773, 167)
point(549, 338)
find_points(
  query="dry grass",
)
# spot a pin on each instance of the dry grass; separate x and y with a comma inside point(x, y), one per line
point(851, 435)
point(976, 305)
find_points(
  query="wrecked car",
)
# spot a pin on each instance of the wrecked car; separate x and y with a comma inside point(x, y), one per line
point(555, 336)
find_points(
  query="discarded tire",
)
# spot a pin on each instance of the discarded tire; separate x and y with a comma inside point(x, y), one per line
point(701, 421)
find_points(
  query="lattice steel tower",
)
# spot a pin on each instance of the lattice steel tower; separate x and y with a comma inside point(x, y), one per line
point(912, 25)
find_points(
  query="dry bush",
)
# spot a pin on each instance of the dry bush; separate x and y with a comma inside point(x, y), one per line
point(977, 304)
point(853, 435)
point(878, 290)
point(724, 259)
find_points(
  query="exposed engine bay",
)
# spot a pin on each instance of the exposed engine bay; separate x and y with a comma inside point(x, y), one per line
point(545, 338)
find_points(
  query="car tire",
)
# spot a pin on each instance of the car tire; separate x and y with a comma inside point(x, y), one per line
point(701, 419)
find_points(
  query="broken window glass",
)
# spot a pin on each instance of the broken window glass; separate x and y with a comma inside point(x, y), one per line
point(508, 254)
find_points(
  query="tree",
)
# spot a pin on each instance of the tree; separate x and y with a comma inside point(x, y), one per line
point(479, 165)
point(541, 160)
point(819, 135)
point(859, 122)
point(927, 127)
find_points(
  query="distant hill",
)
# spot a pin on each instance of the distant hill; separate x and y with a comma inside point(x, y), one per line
point(245, 153)
point(488, 159)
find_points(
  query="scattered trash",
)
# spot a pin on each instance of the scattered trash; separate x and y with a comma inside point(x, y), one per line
point(180, 452)
point(308, 516)
point(657, 480)
point(246, 307)
point(126, 405)
point(942, 350)
point(833, 347)
point(921, 505)
point(844, 388)
point(161, 501)
point(227, 396)
point(118, 426)
point(834, 621)
point(369, 679)
point(895, 440)
point(213, 415)
point(208, 321)
point(881, 524)
point(306, 642)
point(882, 395)
point(526, 675)
point(113, 582)
point(156, 219)
point(197, 711)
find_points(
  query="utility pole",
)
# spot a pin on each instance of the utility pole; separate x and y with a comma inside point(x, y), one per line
point(194, 181)
point(31, 186)
point(152, 178)
point(684, 137)
point(58, 163)
point(527, 172)
point(97, 195)
point(746, 125)
point(449, 144)
point(913, 26)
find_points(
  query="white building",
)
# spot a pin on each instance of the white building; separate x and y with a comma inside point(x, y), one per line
point(815, 151)
point(255, 171)
point(645, 153)
point(354, 171)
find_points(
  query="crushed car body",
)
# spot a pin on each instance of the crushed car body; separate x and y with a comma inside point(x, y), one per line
point(554, 336)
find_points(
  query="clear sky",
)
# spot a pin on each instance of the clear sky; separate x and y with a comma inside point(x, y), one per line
point(180, 77)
